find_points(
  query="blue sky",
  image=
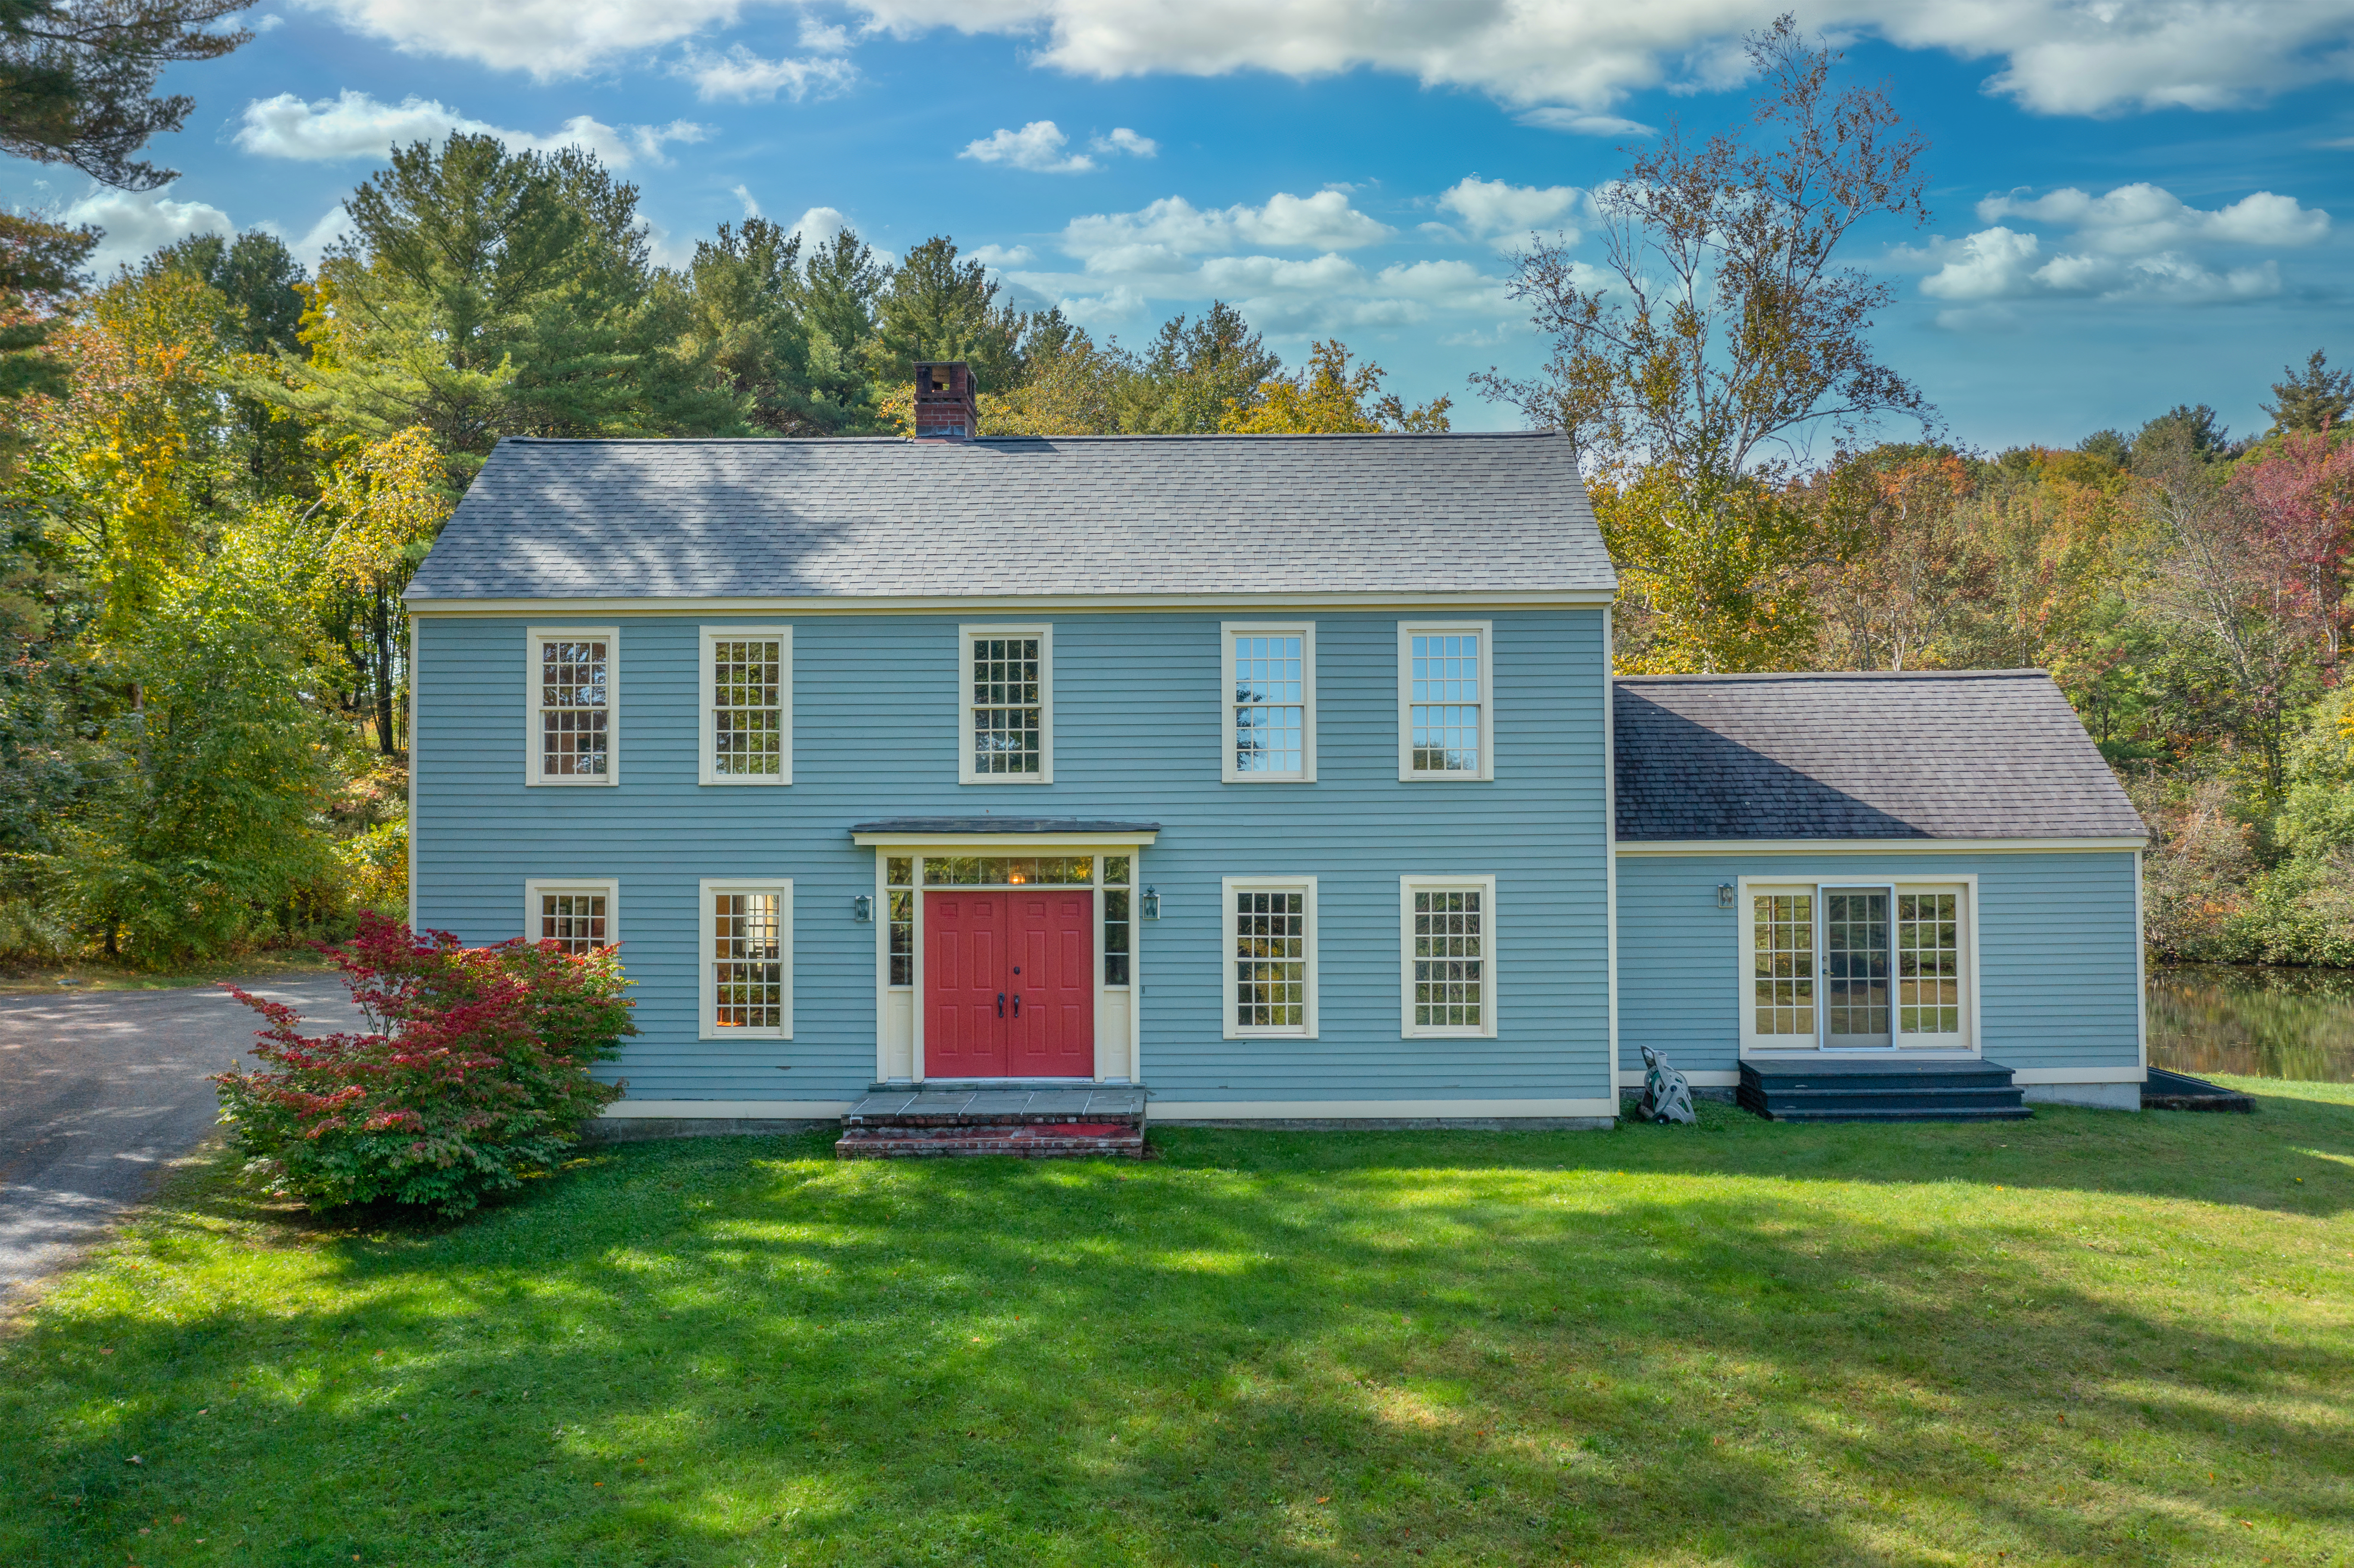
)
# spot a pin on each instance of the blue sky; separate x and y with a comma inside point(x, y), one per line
point(2137, 204)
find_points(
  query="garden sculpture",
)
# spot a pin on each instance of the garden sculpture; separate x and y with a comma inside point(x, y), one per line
point(1665, 1095)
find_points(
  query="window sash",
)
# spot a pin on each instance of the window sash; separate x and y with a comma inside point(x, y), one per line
point(747, 706)
point(579, 914)
point(1268, 675)
point(1270, 957)
point(575, 711)
point(1445, 707)
point(1447, 956)
point(746, 961)
point(1006, 696)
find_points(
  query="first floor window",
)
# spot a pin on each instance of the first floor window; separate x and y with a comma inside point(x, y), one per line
point(1270, 935)
point(1847, 966)
point(747, 704)
point(576, 916)
point(572, 705)
point(1928, 963)
point(747, 960)
point(1008, 684)
point(1450, 954)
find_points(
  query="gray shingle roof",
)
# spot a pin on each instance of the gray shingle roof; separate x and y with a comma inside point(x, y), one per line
point(1978, 753)
point(1469, 514)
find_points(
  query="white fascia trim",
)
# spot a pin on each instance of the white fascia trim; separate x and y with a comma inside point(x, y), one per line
point(708, 984)
point(945, 604)
point(1610, 819)
point(1044, 630)
point(1227, 887)
point(707, 723)
point(689, 1110)
point(2133, 1074)
point(608, 887)
point(1632, 1078)
point(1338, 1110)
point(1229, 773)
point(999, 844)
point(1486, 887)
point(1407, 630)
point(534, 688)
point(1870, 846)
point(2141, 947)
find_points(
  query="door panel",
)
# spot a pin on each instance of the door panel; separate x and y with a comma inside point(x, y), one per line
point(1855, 967)
point(964, 975)
point(1052, 1027)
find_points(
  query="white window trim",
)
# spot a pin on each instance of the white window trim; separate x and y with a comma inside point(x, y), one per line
point(706, 985)
point(1486, 887)
point(1227, 888)
point(1228, 772)
point(535, 755)
point(706, 683)
point(1044, 632)
point(1408, 631)
point(1755, 1043)
point(611, 888)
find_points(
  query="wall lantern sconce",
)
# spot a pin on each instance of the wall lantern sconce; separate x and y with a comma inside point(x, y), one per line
point(1724, 896)
point(1152, 910)
point(862, 909)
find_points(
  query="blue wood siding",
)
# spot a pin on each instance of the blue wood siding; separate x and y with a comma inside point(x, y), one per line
point(2057, 961)
point(1138, 713)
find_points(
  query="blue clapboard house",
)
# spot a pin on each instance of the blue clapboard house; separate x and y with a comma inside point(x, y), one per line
point(1222, 779)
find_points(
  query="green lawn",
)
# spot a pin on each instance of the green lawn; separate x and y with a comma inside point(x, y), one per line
point(2086, 1338)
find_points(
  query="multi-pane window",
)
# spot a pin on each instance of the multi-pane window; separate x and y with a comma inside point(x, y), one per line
point(1449, 959)
point(1271, 681)
point(1008, 675)
point(1928, 963)
point(1855, 966)
point(748, 970)
point(748, 705)
point(572, 707)
point(899, 878)
point(1115, 919)
point(1270, 957)
point(1444, 706)
point(1781, 979)
point(573, 921)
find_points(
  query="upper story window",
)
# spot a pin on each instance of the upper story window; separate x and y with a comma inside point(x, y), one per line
point(747, 704)
point(574, 704)
point(1446, 709)
point(1270, 694)
point(578, 916)
point(1006, 681)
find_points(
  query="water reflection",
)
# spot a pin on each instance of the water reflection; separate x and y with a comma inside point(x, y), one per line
point(2263, 1022)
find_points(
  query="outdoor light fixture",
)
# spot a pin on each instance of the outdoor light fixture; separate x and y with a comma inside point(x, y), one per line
point(1152, 910)
point(862, 908)
point(1724, 896)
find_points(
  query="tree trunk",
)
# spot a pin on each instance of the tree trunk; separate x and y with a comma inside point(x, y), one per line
point(385, 740)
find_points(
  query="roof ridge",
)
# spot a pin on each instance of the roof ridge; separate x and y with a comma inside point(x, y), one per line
point(2020, 672)
point(990, 440)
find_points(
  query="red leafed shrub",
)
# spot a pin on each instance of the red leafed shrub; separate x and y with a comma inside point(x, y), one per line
point(477, 1072)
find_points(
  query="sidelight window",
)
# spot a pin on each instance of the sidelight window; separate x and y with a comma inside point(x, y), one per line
point(1116, 916)
point(578, 916)
point(1007, 678)
point(747, 704)
point(572, 703)
point(1446, 710)
point(1271, 697)
point(1449, 955)
point(746, 961)
point(899, 878)
point(1270, 938)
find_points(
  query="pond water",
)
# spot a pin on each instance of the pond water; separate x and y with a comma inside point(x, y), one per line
point(2262, 1023)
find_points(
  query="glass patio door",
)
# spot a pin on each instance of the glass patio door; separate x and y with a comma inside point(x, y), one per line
point(1855, 967)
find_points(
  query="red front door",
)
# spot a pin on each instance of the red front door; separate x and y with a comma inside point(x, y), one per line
point(1009, 981)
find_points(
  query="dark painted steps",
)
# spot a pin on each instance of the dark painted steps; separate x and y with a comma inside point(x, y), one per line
point(2180, 1091)
point(941, 1120)
point(1880, 1089)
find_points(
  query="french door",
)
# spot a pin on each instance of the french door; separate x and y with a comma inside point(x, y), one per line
point(1856, 967)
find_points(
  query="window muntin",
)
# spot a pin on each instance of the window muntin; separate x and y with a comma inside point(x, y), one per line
point(899, 890)
point(1782, 963)
point(573, 705)
point(1009, 871)
point(1450, 957)
point(578, 917)
point(1270, 957)
point(1116, 918)
point(1446, 718)
point(746, 721)
point(1928, 964)
point(1270, 681)
point(1006, 694)
point(746, 961)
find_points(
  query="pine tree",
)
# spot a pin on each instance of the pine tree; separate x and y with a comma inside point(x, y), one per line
point(76, 79)
point(2312, 399)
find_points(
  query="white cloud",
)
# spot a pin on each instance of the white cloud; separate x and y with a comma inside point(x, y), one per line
point(2003, 264)
point(268, 23)
point(1123, 140)
point(548, 38)
point(1160, 236)
point(742, 77)
point(355, 125)
point(136, 224)
point(1037, 147)
point(744, 193)
point(1584, 124)
point(999, 256)
point(824, 38)
point(2141, 219)
point(1509, 217)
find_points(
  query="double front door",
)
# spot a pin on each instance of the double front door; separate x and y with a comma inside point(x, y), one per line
point(1009, 984)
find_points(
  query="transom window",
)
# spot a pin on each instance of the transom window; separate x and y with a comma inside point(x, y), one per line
point(1270, 677)
point(1443, 719)
point(747, 704)
point(1841, 966)
point(746, 985)
point(1270, 932)
point(1449, 959)
point(572, 703)
point(1008, 675)
point(1008, 871)
point(578, 916)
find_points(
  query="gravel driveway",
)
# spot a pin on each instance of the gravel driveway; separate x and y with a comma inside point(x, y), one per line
point(100, 1090)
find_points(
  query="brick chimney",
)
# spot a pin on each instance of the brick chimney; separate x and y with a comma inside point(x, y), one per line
point(946, 409)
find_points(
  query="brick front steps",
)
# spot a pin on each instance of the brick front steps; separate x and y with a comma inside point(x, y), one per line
point(940, 1120)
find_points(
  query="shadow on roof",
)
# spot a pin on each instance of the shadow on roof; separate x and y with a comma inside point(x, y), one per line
point(1684, 780)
